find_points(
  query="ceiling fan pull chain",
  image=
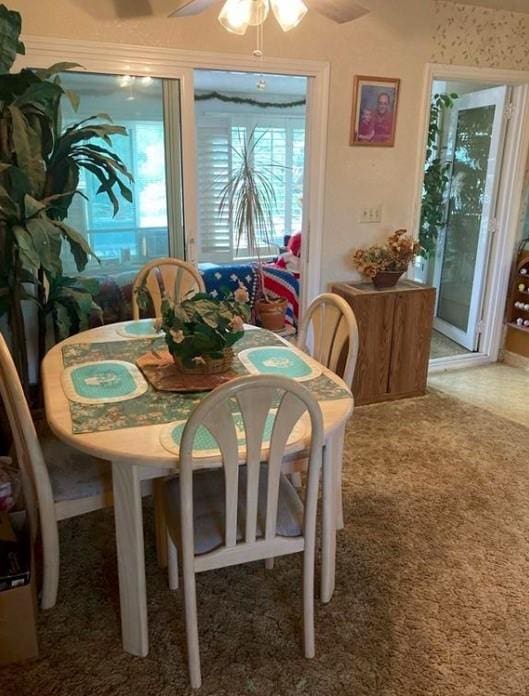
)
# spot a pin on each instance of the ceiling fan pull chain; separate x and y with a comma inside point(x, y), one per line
point(259, 53)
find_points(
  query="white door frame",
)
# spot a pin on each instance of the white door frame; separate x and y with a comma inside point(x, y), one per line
point(508, 204)
point(104, 57)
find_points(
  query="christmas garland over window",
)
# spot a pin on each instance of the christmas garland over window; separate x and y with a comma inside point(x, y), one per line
point(247, 100)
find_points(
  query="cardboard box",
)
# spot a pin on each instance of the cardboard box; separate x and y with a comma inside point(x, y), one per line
point(18, 610)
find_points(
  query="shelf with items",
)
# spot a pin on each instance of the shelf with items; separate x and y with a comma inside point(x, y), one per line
point(517, 315)
point(519, 328)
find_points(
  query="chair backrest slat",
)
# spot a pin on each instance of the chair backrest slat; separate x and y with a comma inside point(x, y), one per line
point(173, 277)
point(249, 404)
point(328, 330)
point(255, 409)
point(222, 426)
point(288, 414)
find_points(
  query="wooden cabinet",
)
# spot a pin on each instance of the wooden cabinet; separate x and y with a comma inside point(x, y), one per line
point(395, 327)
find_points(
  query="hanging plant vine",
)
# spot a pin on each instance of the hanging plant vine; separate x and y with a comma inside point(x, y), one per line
point(436, 178)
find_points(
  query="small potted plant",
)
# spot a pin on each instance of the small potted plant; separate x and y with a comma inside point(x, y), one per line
point(385, 263)
point(201, 330)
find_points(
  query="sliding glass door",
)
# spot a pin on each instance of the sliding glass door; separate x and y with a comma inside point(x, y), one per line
point(151, 225)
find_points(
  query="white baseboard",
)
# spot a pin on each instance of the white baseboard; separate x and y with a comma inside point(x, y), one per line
point(458, 362)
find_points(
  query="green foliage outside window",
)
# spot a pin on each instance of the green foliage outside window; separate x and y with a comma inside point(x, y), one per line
point(433, 208)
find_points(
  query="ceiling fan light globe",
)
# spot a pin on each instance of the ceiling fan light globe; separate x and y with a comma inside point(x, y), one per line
point(259, 10)
point(289, 13)
point(235, 16)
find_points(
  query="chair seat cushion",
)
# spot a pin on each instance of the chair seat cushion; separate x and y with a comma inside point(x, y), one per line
point(73, 474)
point(209, 508)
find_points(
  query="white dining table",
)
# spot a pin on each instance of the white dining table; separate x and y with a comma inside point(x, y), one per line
point(136, 454)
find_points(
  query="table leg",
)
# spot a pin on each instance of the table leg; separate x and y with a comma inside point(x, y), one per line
point(328, 541)
point(131, 557)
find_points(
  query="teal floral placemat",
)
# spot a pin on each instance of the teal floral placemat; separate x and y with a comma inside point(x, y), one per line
point(279, 361)
point(153, 407)
point(103, 382)
point(140, 328)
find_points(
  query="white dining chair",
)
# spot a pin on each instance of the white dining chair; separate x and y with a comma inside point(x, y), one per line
point(329, 333)
point(170, 276)
point(58, 482)
point(247, 510)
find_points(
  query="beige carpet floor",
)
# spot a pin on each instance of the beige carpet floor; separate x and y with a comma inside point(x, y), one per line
point(432, 591)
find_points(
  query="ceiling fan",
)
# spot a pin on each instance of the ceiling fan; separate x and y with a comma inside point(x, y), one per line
point(237, 15)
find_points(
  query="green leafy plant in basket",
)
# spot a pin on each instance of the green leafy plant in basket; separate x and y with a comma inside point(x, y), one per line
point(201, 330)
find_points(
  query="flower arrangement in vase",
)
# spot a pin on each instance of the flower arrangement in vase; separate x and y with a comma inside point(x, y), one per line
point(201, 330)
point(385, 263)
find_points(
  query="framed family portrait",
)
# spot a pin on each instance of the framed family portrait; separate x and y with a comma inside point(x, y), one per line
point(374, 113)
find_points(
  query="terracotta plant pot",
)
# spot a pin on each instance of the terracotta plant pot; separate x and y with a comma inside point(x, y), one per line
point(272, 314)
point(386, 279)
point(210, 366)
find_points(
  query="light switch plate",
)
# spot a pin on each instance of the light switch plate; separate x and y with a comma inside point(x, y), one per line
point(371, 213)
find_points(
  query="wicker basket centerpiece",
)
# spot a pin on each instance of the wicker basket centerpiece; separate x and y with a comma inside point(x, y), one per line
point(385, 263)
point(201, 330)
point(206, 364)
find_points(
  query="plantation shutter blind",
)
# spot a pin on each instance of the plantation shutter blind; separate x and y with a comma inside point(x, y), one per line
point(296, 176)
point(271, 151)
point(280, 151)
point(213, 171)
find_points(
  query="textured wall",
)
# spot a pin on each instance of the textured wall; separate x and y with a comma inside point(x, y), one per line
point(468, 35)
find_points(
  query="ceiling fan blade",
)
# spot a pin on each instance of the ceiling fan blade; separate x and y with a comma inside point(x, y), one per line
point(191, 7)
point(122, 9)
point(340, 11)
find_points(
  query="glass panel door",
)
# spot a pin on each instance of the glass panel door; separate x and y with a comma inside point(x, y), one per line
point(148, 227)
point(475, 147)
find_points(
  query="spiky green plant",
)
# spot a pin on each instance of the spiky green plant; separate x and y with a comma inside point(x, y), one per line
point(249, 198)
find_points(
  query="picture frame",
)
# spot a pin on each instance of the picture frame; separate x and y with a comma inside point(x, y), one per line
point(374, 111)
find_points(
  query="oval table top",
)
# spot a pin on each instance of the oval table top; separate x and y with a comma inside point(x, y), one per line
point(141, 444)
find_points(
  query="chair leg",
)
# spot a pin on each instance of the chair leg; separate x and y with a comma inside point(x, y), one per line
point(193, 649)
point(160, 523)
point(340, 524)
point(51, 562)
point(308, 602)
point(172, 562)
point(269, 563)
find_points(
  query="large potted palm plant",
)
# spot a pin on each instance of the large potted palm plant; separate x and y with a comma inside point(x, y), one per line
point(249, 198)
point(40, 166)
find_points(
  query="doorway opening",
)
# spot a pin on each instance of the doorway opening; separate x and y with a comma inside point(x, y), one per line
point(468, 127)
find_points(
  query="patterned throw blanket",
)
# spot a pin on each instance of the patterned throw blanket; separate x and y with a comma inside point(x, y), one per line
point(285, 284)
